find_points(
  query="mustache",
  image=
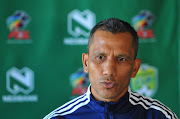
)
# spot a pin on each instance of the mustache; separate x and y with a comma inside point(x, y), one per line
point(107, 79)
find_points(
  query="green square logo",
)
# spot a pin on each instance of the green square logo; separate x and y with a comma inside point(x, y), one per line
point(146, 81)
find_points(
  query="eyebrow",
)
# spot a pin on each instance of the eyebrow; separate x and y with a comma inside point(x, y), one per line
point(98, 53)
point(120, 55)
point(124, 55)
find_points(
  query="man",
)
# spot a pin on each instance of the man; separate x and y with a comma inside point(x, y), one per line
point(111, 62)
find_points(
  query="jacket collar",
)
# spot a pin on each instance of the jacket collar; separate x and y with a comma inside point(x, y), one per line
point(109, 107)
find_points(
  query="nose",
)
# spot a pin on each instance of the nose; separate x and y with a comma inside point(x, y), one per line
point(109, 68)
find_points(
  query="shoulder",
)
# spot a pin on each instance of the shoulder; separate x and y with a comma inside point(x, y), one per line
point(69, 107)
point(151, 104)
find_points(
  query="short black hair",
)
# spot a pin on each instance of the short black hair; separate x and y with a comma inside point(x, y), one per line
point(115, 25)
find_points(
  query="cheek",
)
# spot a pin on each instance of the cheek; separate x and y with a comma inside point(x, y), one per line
point(123, 79)
point(94, 66)
point(94, 71)
point(124, 73)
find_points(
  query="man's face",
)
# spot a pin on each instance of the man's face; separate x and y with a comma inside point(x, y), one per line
point(110, 64)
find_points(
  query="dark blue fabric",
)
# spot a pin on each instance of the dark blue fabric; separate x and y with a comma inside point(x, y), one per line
point(122, 109)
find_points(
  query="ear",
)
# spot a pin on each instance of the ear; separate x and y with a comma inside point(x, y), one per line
point(85, 62)
point(137, 64)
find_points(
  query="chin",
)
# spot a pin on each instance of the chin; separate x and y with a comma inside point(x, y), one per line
point(109, 95)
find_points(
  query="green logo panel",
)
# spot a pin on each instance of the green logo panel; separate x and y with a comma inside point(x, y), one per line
point(146, 81)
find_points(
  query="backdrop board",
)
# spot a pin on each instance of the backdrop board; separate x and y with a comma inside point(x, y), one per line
point(42, 41)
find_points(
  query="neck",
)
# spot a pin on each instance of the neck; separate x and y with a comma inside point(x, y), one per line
point(111, 99)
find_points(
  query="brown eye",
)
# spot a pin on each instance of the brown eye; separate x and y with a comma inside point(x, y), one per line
point(121, 59)
point(100, 57)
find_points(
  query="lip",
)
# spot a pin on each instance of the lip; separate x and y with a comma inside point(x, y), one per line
point(107, 84)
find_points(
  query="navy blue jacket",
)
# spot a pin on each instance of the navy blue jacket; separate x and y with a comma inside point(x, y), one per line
point(130, 106)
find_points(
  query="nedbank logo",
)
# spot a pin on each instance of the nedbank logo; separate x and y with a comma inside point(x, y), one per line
point(20, 83)
point(83, 22)
point(20, 80)
point(146, 80)
point(79, 25)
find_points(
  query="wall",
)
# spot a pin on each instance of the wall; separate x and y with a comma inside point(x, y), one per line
point(41, 43)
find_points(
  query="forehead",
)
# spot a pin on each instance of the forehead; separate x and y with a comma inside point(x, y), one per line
point(105, 40)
